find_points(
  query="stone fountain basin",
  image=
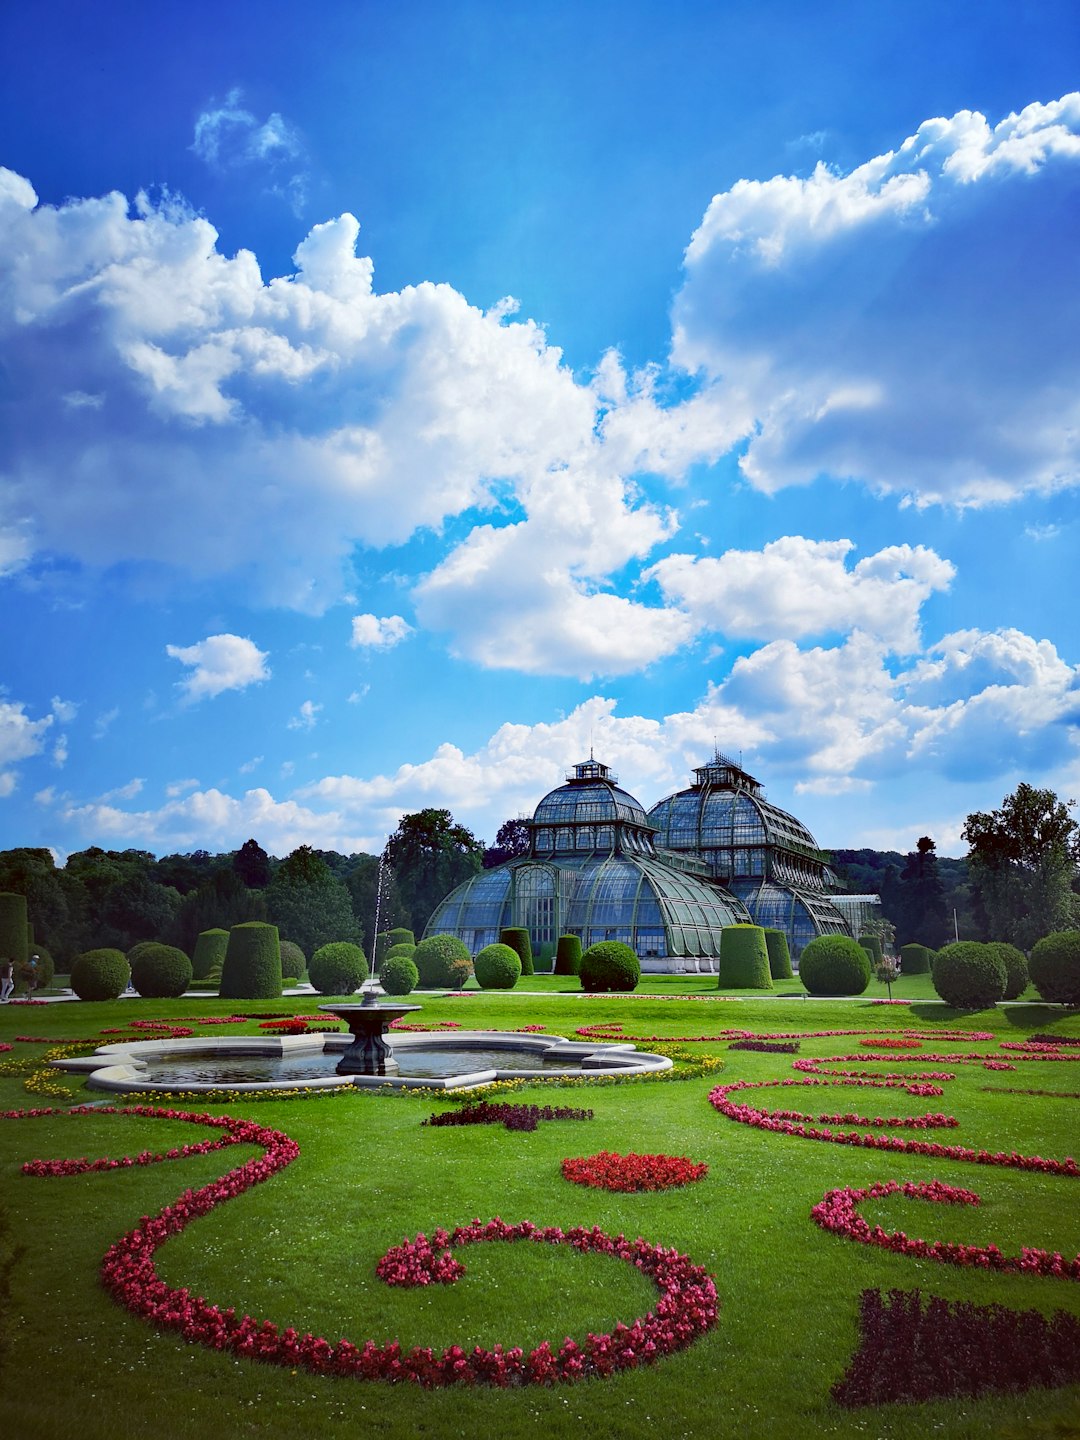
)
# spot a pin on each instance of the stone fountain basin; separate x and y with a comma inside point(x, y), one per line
point(127, 1066)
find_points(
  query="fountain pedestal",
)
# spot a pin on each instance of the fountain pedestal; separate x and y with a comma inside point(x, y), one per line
point(370, 1052)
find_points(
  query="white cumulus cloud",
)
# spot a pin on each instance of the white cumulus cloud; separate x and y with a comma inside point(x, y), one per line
point(219, 663)
point(378, 632)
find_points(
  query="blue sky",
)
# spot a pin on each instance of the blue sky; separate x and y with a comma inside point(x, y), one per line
point(396, 401)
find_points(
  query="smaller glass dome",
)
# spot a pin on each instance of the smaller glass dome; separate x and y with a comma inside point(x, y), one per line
point(591, 796)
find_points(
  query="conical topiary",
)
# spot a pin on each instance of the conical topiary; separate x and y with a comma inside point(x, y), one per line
point(744, 959)
point(779, 954)
point(252, 968)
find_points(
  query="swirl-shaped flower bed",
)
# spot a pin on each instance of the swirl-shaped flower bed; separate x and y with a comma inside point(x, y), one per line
point(628, 1173)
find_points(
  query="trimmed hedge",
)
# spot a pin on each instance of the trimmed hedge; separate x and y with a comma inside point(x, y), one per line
point(252, 965)
point(518, 939)
point(434, 958)
point(400, 936)
point(160, 972)
point(744, 959)
point(914, 960)
point(398, 975)
point(338, 968)
point(609, 965)
point(396, 950)
point(779, 953)
point(1055, 967)
point(100, 974)
point(568, 955)
point(293, 960)
point(13, 927)
point(969, 976)
point(872, 945)
point(497, 967)
point(209, 954)
point(834, 965)
point(1016, 968)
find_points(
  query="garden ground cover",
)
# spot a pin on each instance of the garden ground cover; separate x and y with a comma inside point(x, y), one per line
point(301, 1249)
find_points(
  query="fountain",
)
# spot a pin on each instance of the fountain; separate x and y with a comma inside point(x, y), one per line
point(370, 1052)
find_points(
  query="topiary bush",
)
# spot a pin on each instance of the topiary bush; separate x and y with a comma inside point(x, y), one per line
point(398, 975)
point(209, 954)
point(969, 976)
point(1055, 967)
point(402, 949)
point(338, 968)
point(100, 974)
point(1016, 968)
point(518, 939)
point(160, 972)
point(779, 954)
point(914, 960)
point(834, 965)
point(293, 961)
point(609, 965)
point(252, 966)
point(433, 957)
point(13, 927)
point(744, 959)
point(399, 936)
point(568, 955)
point(872, 945)
point(142, 948)
point(498, 967)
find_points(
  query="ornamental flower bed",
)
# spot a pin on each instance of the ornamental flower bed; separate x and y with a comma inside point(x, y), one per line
point(629, 1173)
point(885, 1042)
point(911, 1349)
point(514, 1117)
point(767, 1047)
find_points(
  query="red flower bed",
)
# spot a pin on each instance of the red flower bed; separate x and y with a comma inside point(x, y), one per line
point(608, 1171)
point(885, 1042)
point(916, 1350)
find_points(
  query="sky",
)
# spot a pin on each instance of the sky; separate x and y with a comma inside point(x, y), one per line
point(399, 402)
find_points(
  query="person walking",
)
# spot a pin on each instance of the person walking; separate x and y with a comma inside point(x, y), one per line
point(7, 978)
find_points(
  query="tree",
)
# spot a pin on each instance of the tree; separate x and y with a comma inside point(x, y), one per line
point(430, 854)
point(1023, 860)
point(220, 902)
point(308, 903)
point(511, 841)
point(919, 904)
point(137, 909)
point(32, 874)
point(252, 864)
point(391, 908)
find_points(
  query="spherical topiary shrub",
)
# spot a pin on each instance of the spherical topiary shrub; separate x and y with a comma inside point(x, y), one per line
point(914, 960)
point(834, 965)
point(293, 961)
point(160, 971)
point(400, 936)
point(744, 959)
point(398, 975)
point(209, 954)
point(100, 974)
point(13, 933)
point(144, 947)
point(609, 965)
point(498, 967)
point(1055, 967)
point(779, 954)
point(1016, 968)
point(396, 950)
point(872, 945)
point(518, 939)
point(434, 958)
point(252, 965)
point(338, 968)
point(568, 955)
point(969, 976)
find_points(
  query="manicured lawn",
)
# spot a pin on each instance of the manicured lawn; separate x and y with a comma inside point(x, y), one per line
point(301, 1249)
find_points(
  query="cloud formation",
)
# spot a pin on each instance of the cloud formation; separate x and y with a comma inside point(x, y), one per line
point(374, 632)
point(219, 663)
point(229, 137)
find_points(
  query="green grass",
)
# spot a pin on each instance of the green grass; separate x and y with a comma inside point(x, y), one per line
point(301, 1249)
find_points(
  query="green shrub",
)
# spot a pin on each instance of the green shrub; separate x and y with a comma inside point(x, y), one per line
point(209, 954)
point(396, 950)
point(744, 959)
point(609, 965)
point(518, 939)
point(779, 954)
point(834, 965)
point(544, 959)
point(293, 961)
point(398, 975)
point(1016, 968)
point(914, 960)
point(568, 955)
point(399, 936)
point(160, 971)
point(13, 927)
point(142, 948)
point(1055, 967)
point(969, 976)
point(498, 967)
point(338, 968)
point(872, 945)
point(460, 969)
point(252, 966)
point(42, 973)
point(432, 958)
point(100, 974)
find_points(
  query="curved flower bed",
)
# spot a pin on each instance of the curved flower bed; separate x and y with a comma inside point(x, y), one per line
point(514, 1117)
point(838, 1212)
point(886, 1042)
point(687, 1305)
point(609, 1171)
